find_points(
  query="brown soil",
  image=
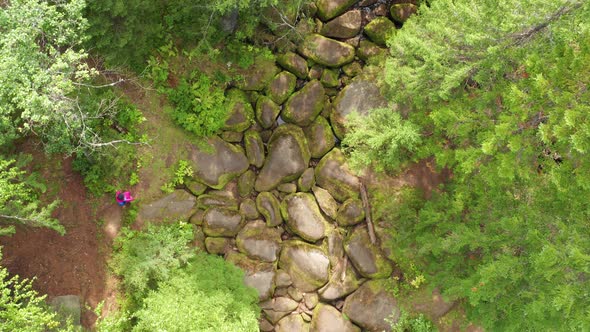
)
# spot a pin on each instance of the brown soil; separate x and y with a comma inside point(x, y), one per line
point(74, 264)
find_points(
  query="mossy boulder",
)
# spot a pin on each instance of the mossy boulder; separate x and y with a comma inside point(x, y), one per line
point(241, 113)
point(258, 75)
point(303, 217)
point(351, 212)
point(293, 63)
point(400, 12)
point(368, 50)
point(266, 112)
point(292, 323)
point(326, 318)
point(329, 78)
point(344, 26)
point(195, 187)
point(259, 242)
point(338, 287)
point(359, 96)
point(248, 209)
point(370, 306)
point(366, 257)
point(179, 205)
point(326, 202)
point(281, 87)
point(246, 183)
point(232, 136)
point(268, 205)
point(211, 200)
point(288, 188)
point(217, 245)
point(254, 148)
point(320, 137)
point(277, 308)
point(307, 264)
point(326, 51)
point(328, 9)
point(220, 222)
point(352, 69)
point(304, 105)
point(307, 180)
point(217, 163)
point(333, 174)
point(288, 156)
point(379, 30)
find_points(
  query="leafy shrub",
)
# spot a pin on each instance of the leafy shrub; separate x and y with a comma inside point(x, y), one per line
point(183, 170)
point(412, 323)
point(210, 291)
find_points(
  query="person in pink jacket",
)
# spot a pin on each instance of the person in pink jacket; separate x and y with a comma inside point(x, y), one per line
point(123, 197)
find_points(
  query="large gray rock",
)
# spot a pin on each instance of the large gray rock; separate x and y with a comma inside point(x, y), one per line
point(326, 318)
point(320, 137)
point(326, 202)
point(211, 200)
point(268, 205)
point(303, 216)
point(288, 156)
point(326, 51)
point(68, 306)
point(293, 63)
point(370, 305)
point(292, 323)
point(328, 9)
point(179, 205)
point(351, 212)
point(304, 105)
point(259, 242)
point(266, 112)
point(222, 222)
point(254, 148)
point(241, 114)
point(344, 26)
point(308, 265)
point(379, 29)
point(338, 287)
point(282, 86)
point(218, 163)
point(333, 174)
point(366, 257)
point(358, 96)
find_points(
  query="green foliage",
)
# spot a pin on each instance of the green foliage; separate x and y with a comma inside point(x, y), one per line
point(183, 171)
point(381, 139)
point(21, 307)
point(412, 323)
point(210, 291)
point(144, 258)
point(501, 88)
point(20, 202)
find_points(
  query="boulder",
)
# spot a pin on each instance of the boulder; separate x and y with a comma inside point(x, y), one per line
point(292, 323)
point(360, 97)
point(320, 137)
point(304, 105)
point(288, 188)
point(179, 205)
point(268, 205)
point(197, 217)
point(352, 69)
point(241, 113)
point(368, 50)
point(246, 183)
point(351, 212)
point(366, 257)
point(337, 288)
point(311, 300)
point(335, 244)
point(379, 29)
point(400, 12)
point(254, 148)
point(329, 78)
point(295, 294)
point(283, 279)
point(370, 305)
point(308, 265)
point(326, 202)
point(282, 86)
point(248, 209)
point(326, 51)
point(333, 174)
point(232, 136)
point(266, 112)
point(195, 187)
point(307, 180)
point(344, 26)
point(217, 245)
point(258, 75)
point(294, 64)
point(328, 9)
point(303, 217)
point(326, 318)
point(265, 326)
point(277, 308)
point(288, 156)
point(212, 200)
point(222, 222)
point(218, 163)
point(258, 275)
point(259, 242)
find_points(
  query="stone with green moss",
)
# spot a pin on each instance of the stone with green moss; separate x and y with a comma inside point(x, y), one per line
point(195, 187)
point(304, 105)
point(307, 264)
point(288, 156)
point(266, 112)
point(326, 202)
point(217, 245)
point(400, 12)
point(344, 26)
point(329, 78)
point(328, 318)
point(258, 75)
point(210, 200)
point(232, 136)
point(352, 69)
point(368, 51)
point(372, 306)
point(288, 188)
point(292, 323)
point(333, 174)
point(294, 63)
point(281, 87)
point(246, 183)
point(307, 180)
point(221, 222)
point(268, 206)
point(366, 257)
point(328, 9)
point(248, 209)
point(320, 137)
point(258, 275)
point(303, 217)
point(337, 287)
point(179, 205)
point(351, 212)
point(258, 241)
point(241, 113)
point(254, 148)
point(197, 217)
point(379, 30)
point(326, 51)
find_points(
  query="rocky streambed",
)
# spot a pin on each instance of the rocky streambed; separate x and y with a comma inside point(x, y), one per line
point(273, 193)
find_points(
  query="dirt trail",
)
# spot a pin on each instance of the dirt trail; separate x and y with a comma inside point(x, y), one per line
point(74, 264)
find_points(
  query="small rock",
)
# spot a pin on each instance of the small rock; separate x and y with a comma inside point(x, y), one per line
point(281, 87)
point(344, 26)
point(222, 222)
point(326, 202)
point(320, 137)
point(246, 183)
point(259, 242)
point(195, 187)
point(379, 29)
point(307, 180)
point(288, 188)
point(254, 148)
point(351, 212)
point(212, 200)
point(269, 207)
point(232, 136)
point(333, 174)
point(328, 9)
point(292, 323)
point(329, 78)
point(241, 113)
point(293, 63)
point(266, 112)
point(326, 51)
point(217, 245)
point(310, 300)
point(248, 209)
point(352, 69)
point(283, 279)
point(328, 319)
point(302, 215)
point(402, 11)
point(197, 217)
point(304, 105)
point(295, 294)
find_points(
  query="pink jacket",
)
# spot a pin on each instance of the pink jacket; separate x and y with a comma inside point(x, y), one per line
point(127, 197)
